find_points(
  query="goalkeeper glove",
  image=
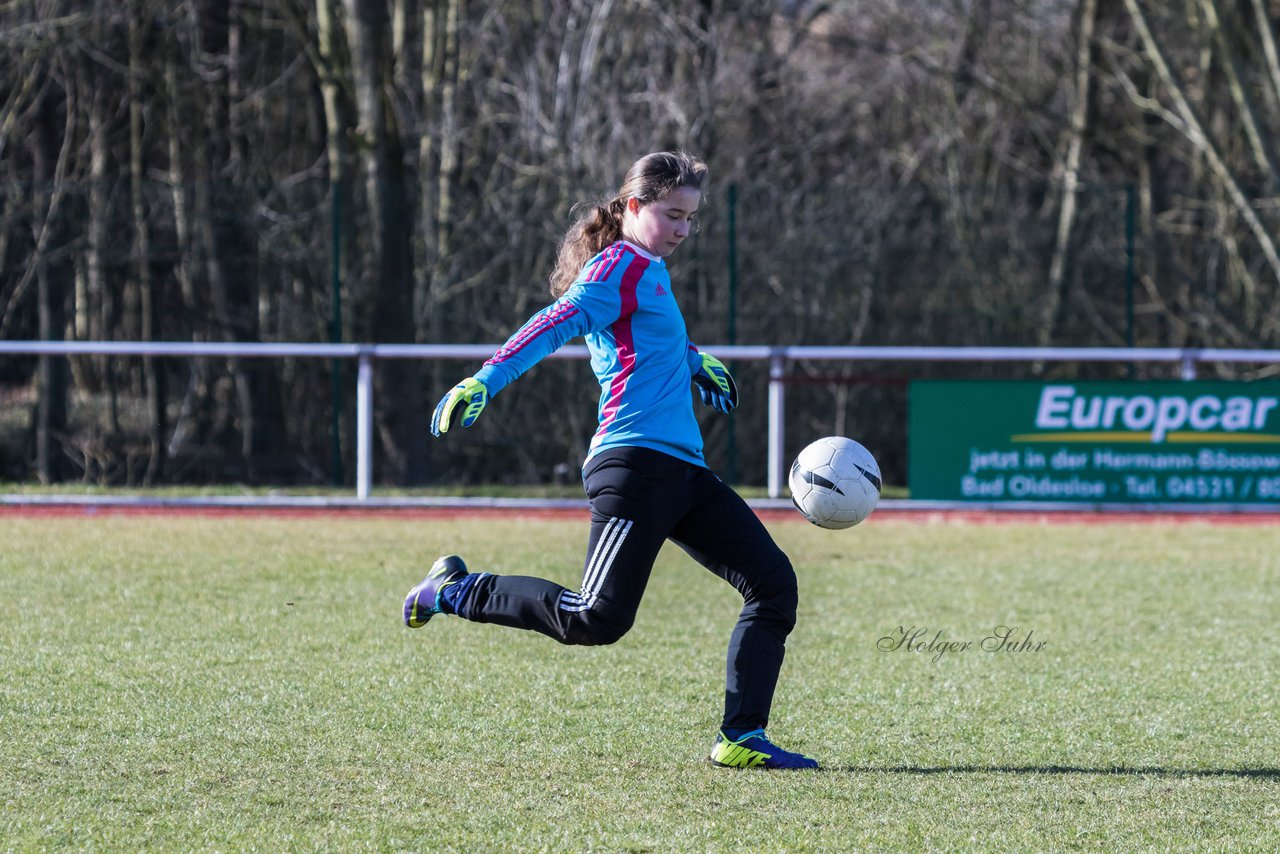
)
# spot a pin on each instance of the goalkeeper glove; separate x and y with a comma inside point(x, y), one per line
point(471, 394)
point(716, 384)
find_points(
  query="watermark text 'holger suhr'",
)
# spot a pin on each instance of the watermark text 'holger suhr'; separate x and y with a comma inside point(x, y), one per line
point(917, 639)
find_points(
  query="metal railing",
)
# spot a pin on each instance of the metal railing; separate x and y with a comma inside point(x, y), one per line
point(777, 357)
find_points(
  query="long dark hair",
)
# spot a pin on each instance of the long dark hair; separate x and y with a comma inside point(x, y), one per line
point(650, 179)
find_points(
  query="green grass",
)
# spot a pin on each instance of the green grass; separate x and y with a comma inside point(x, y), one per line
point(245, 683)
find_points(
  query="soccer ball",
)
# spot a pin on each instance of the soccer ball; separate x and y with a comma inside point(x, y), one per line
point(835, 482)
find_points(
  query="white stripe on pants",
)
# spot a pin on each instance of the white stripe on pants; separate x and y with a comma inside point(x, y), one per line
point(602, 558)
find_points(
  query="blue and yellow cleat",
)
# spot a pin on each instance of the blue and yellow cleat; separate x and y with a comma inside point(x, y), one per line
point(755, 750)
point(423, 601)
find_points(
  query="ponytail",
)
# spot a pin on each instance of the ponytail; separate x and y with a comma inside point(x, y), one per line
point(599, 227)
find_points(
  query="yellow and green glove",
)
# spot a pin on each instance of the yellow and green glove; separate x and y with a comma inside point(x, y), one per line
point(470, 394)
point(715, 384)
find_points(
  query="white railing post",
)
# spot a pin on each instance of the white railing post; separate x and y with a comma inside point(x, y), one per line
point(777, 421)
point(1189, 364)
point(364, 424)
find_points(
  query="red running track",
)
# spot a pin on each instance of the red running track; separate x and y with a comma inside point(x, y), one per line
point(965, 517)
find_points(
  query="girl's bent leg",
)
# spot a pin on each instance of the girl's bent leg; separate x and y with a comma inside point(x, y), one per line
point(523, 602)
point(633, 505)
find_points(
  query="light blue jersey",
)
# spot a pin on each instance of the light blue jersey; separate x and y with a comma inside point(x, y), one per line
point(623, 305)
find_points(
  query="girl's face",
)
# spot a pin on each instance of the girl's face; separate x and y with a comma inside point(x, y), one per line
point(659, 227)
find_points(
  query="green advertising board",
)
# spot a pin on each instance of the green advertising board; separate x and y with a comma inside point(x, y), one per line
point(1137, 442)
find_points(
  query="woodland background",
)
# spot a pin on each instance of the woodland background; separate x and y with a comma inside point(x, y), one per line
point(960, 172)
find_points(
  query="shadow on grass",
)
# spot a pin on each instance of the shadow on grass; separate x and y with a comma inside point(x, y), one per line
point(1141, 771)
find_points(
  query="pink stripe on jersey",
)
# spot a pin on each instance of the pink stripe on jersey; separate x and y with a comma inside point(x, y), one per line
point(602, 269)
point(623, 341)
point(541, 325)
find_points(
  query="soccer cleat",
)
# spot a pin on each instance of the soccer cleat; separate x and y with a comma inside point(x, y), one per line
point(755, 750)
point(423, 601)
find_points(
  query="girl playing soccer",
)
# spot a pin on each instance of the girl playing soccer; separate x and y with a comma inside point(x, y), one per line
point(644, 475)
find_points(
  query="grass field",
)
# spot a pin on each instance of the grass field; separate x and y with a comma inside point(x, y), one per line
point(246, 683)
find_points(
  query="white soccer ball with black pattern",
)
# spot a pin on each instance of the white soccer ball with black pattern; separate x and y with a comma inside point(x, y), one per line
point(835, 482)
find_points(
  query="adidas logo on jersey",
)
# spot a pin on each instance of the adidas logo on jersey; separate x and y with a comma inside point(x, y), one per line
point(660, 291)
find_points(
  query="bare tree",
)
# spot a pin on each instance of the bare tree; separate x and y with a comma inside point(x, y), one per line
point(1079, 126)
point(149, 313)
point(50, 142)
point(1186, 118)
point(906, 172)
point(389, 280)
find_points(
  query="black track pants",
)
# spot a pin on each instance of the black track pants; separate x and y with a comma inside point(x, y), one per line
point(639, 499)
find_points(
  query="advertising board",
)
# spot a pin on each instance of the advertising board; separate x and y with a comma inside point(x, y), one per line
point(1141, 442)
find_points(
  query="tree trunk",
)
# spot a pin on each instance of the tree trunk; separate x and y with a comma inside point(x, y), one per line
point(438, 160)
point(402, 415)
point(152, 372)
point(1070, 175)
point(94, 371)
point(230, 248)
point(54, 277)
point(332, 69)
point(187, 267)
